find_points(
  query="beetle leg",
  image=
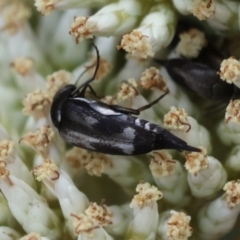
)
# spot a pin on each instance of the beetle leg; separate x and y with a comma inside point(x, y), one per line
point(152, 103)
point(124, 110)
point(93, 92)
point(136, 111)
point(83, 91)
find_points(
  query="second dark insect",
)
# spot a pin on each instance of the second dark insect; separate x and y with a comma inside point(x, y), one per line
point(200, 75)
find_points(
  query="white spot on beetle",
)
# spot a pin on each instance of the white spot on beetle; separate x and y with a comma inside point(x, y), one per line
point(147, 126)
point(126, 148)
point(129, 133)
point(98, 106)
point(91, 120)
point(138, 122)
point(104, 110)
point(129, 149)
point(157, 130)
point(79, 139)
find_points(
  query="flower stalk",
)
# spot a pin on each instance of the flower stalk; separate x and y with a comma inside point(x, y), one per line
point(187, 128)
point(145, 212)
point(206, 175)
point(147, 39)
point(170, 177)
point(214, 226)
point(114, 19)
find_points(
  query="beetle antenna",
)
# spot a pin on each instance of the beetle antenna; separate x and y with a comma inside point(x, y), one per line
point(87, 68)
point(94, 75)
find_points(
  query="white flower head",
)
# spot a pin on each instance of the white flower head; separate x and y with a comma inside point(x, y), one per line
point(147, 194)
point(162, 164)
point(178, 226)
point(47, 170)
point(90, 224)
point(151, 78)
point(137, 44)
point(202, 9)
point(39, 140)
point(101, 214)
point(37, 104)
point(196, 161)
point(56, 81)
point(33, 236)
point(232, 193)
point(46, 7)
point(14, 16)
point(232, 114)
point(230, 70)
point(128, 90)
point(23, 66)
point(155, 32)
point(113, 19)
point(191, 43)
point(176, 118)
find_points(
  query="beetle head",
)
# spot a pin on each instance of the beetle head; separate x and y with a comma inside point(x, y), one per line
point(60, 97)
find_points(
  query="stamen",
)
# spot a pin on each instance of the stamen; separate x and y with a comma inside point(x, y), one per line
point(137, 44)
point(178, 226)
point(196, 161)
point(151, 78)
point(147, 194)
point(22, 66)
point(82, 29)
point(232, 193)
point(47, 170)
point(162, 164)
point(176, 118)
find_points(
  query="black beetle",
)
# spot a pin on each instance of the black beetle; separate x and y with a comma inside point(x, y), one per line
point(110, 129)
point(200, 75)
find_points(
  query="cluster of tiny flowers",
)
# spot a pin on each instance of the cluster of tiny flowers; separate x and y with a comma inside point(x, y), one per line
point(50, 190)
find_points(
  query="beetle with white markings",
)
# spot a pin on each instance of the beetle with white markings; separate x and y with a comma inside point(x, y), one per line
point(110, 129)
